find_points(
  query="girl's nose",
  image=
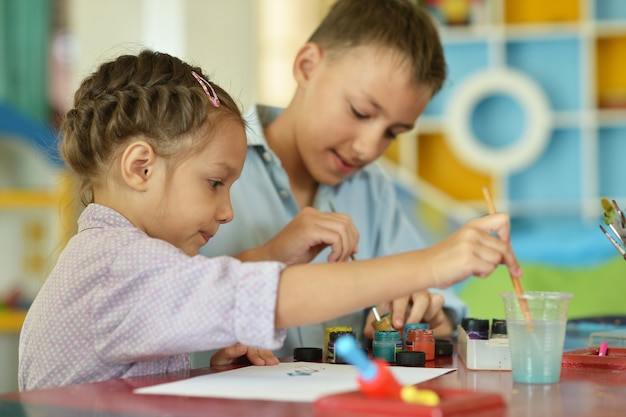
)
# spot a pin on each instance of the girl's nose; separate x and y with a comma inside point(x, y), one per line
point(225, 213)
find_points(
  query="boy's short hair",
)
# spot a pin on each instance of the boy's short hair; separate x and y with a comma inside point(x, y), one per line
point(398, 24)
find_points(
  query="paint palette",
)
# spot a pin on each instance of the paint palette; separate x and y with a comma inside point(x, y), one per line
point(453, 403)
point(615, 358)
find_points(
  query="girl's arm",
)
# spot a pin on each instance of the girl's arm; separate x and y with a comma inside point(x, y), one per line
point(314, 293)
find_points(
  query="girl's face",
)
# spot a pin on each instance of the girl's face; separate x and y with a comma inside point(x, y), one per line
point(195, 198)
point(351, 110)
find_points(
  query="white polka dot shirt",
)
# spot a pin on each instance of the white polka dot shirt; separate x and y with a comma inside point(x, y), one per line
point(120, 304)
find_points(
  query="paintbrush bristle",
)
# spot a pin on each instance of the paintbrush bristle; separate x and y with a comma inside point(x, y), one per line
point(609, 211)
point(620, 214)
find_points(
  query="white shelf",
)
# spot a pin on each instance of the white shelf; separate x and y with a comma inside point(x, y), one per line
point(581, 133)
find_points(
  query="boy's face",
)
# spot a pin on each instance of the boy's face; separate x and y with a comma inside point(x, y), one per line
point(195, 199)
point(351, 109)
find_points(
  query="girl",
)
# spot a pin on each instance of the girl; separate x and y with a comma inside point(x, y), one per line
point(156, 148)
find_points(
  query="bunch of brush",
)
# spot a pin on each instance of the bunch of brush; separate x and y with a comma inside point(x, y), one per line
point(616, 221)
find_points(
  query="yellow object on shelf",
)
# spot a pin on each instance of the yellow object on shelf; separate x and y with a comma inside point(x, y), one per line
point(541, 11)
point(11, 320)
point(610, 71)
point(28, 198)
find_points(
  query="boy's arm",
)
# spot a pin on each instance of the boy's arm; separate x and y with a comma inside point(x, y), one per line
point(303, 238)
point(422, 306)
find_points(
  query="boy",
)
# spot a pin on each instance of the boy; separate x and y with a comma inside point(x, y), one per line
point(364, 77)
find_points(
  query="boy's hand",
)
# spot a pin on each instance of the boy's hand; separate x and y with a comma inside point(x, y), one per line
point(235, 354)
point(419, 307)
point(308, 234)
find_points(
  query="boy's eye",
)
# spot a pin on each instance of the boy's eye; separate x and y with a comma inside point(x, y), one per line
point(390, 134)
point(358, 114)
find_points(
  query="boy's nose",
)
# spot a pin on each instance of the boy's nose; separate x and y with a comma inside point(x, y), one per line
point(367, 147)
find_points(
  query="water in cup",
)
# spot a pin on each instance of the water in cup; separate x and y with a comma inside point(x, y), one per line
point(537, 345)
point(537, 360)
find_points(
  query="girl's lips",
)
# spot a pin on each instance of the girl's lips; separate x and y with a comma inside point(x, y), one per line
point(205, 236)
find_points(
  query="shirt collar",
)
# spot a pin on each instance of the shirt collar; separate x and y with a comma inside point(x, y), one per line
point(257, 118)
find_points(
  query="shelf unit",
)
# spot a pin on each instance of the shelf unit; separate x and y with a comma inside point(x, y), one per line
point(32, 236)
point(35, 222)
point(573, 52)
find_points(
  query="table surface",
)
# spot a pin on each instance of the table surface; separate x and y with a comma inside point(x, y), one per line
point(581, 392)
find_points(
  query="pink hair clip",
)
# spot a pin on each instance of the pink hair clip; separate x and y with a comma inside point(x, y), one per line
point(206, 86)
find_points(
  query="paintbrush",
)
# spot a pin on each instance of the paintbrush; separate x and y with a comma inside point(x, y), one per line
point(517, 284)
point(613, 219)
point(620, 214)
point(332, 208)
point(614, 242)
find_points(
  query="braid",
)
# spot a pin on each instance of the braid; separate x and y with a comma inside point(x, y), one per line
point(152, 94)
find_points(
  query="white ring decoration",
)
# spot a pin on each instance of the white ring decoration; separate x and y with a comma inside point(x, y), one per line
point(525, 149)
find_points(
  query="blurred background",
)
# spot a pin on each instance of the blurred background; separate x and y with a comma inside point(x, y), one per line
point(534, 108)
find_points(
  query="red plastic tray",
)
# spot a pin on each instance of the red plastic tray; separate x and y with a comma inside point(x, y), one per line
point(453, 403)
point(615, 358)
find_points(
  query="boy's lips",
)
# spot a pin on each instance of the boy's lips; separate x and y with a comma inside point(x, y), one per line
point(343, 165)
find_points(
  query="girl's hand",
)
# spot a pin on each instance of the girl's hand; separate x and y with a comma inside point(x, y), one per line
point(235, 354)
point(477, 248)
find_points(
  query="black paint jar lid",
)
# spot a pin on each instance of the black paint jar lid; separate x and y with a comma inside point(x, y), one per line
point(443, 347)
point(307, 354)
point(477, 325)
point(410, 358)
point(498, 326)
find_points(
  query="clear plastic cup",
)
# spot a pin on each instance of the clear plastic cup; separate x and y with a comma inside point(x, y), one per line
point(536, 345)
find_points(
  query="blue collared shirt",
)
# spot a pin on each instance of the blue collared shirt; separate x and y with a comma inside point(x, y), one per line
point(263, 204)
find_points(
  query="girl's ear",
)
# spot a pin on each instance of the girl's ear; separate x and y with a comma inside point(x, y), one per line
point(137, 164)
point(307, 59)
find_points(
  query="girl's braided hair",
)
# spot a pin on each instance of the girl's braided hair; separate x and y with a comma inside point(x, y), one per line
point(153, 95)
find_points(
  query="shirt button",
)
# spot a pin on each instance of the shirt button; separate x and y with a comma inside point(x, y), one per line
point(267, 156)
point(284, 193)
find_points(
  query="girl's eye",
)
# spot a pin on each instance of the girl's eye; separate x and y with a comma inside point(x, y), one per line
point(215, 183)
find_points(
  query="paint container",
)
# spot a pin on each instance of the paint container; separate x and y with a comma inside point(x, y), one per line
point(410, 358)
point(332, 356)
point(329, 330)
point(308, 354)
point(408, 327)
point(498, 329)
point(386, 344)
point(443, 347)
point(384, 323)
point(476, 328)
point(422, 340)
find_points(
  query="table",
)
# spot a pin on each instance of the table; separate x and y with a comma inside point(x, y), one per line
point(581, 392)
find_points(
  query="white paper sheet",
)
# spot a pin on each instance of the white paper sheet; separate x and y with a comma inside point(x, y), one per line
point(289, 381)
